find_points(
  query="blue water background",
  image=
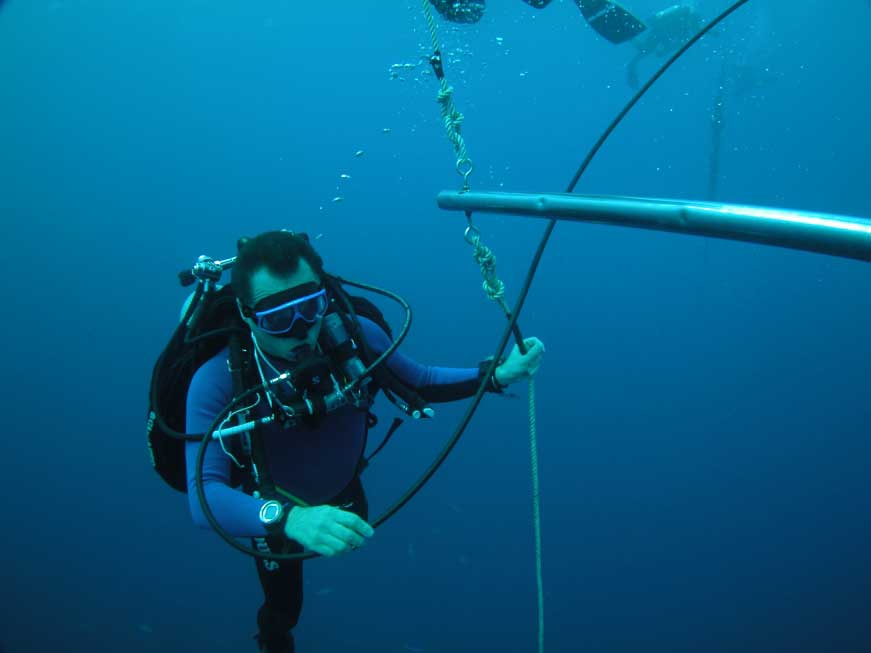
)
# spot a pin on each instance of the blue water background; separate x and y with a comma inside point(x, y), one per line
point(702, 411)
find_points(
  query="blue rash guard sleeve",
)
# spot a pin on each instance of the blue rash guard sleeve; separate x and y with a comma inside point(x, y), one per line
point(211, 390)
point(238, 513)
point(433, 384)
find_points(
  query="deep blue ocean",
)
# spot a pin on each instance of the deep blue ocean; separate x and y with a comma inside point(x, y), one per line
point(702, 409)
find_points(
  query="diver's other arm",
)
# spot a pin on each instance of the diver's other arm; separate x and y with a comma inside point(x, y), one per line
point(326, 530)
point(238, 513)
point(443, 384)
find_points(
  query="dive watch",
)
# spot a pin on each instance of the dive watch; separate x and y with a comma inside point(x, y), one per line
point(273, 516)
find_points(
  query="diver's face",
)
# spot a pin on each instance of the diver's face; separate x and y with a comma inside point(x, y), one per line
point(264, 284)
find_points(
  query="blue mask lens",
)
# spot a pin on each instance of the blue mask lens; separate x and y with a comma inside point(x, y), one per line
point(295, 317)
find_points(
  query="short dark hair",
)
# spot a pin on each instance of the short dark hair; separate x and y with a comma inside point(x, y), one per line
point(279, 252)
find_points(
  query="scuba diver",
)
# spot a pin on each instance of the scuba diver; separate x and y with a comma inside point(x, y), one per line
point(608, 18)
point(666, 31)
point(294, 486)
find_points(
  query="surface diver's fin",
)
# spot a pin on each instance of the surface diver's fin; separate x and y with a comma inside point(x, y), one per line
point(611, 20)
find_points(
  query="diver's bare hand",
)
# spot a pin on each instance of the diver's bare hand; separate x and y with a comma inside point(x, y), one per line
point(327, 530)
point(521, 366)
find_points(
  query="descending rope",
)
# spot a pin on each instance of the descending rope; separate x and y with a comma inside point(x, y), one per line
point(452, 118)
point(536, 513)
point(533, 267)
point(493, 287)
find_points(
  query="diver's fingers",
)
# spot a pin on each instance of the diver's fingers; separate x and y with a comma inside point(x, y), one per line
point(353, 522)
point(350, 537)
point(329, 545)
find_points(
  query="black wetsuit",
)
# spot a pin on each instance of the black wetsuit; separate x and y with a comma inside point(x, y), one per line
point(320, 465)
point(282, 583)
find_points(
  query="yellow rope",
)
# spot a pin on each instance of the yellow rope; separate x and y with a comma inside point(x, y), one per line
point(451, 117)
point(536, 513)
point(493, 287)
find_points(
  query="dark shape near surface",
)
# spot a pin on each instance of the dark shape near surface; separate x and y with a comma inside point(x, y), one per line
point(612, 21)
point(460, 11)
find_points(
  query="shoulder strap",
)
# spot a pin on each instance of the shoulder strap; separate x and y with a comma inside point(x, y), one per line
point(364, 307)
point(241, 370)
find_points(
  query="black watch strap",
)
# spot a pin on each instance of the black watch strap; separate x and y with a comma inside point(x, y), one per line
point(492, 384)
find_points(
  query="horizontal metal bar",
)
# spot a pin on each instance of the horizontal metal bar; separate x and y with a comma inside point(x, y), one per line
point(812, 232)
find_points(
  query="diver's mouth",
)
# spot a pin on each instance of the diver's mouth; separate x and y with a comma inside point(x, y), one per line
point(299, 352)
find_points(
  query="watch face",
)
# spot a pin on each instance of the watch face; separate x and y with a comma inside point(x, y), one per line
point(270, 512)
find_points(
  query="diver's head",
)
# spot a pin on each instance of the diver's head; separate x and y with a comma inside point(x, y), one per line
point(278, 282)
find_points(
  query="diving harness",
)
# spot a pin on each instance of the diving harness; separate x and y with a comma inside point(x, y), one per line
point(341, 371)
